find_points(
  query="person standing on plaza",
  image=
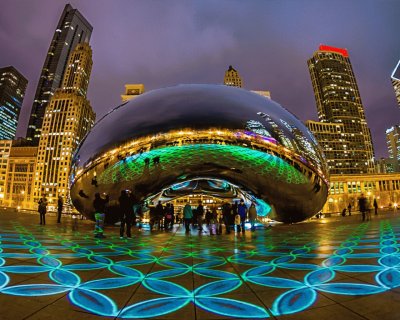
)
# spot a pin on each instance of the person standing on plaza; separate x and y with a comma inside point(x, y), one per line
point(226, 216)
point(242, 211)
point(59, 208)
point(42, 208)
point(376, 206)
point(349, 209)
point(252, 216)
point(127, 214)
point(187, 216)
point(362, 206)
point(159, 213)
point(99, 205)
point(200, 215)
point(169, 217)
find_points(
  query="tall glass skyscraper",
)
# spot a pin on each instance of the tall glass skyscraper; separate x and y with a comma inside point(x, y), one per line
point(72, 28)
point(338, 102)
point(395, 77)
point(12, 90)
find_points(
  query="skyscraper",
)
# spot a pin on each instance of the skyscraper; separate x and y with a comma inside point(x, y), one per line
point(12, 90)
point(232, 78)
point(67, 119)
point(396, 81)
point(338, 102)
point(393, 144)
point(72, 28)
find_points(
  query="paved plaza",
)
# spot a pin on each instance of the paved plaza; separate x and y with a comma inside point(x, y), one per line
point(336, 268)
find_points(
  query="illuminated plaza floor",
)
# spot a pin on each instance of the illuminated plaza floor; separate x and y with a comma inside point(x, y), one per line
point(336, 268)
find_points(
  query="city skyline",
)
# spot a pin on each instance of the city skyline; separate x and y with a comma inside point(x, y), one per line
point(195, 43)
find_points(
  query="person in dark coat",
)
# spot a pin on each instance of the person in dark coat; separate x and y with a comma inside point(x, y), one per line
point(42, 208)
point(376, 207)
point(169, 217)
point(159, 214)
point(362, 206)
point(59, 208)
point(200, 215)
point(99, 205)
point(242, 211)
point(126, 213)
point(226, 216)
point(349, 209)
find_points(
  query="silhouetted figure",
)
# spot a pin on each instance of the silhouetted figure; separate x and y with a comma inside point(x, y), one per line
point(83, 194)
point(146, 162)
point(376, 207)
point(362, 205)
point(349, 209)
point(169, 217)
point(42, 209)
point(344, 212)
point(127, 215)
point(209, 216)
point(252, 216)
point(156, 160)
point(94, 182)
point(99, 205)
point(226, 216)
point(242, 211)
point(187, 216)
point(159, 214)
point(59, 208)
point(200, 215)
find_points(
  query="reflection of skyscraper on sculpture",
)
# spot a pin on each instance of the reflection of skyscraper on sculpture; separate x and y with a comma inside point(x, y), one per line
point(132, 91)
point(338, 102)
point(68, 118)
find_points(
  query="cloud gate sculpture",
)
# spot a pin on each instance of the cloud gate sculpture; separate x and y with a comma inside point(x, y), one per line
point(220, 140)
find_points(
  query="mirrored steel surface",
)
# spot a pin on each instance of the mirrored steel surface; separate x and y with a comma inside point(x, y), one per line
point(194, 131)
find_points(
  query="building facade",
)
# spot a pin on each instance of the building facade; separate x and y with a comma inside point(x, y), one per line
point(5, 149)
point(232, 78)
point(20, 176)
point(393, 144)
point(12, 90)
point(338, 102)
point(395, 77)
point(132, 91)
point(346, 189)
point(72, 29)
point(68, 118)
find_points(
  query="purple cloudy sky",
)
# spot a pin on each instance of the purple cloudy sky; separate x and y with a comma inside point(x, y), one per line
point(166, 42)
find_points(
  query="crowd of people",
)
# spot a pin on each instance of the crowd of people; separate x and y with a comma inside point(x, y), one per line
point(232, 216)
point(130, 208)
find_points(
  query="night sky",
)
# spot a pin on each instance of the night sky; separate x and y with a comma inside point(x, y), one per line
point(164, 43)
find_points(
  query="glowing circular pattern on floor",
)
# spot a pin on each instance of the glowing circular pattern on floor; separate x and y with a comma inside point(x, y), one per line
point(206, 271)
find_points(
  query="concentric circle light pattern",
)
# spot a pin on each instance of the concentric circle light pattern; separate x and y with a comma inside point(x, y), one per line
point(165, 273)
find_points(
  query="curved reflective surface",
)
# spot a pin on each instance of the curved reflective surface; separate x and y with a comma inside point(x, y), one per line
point(172, 135)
